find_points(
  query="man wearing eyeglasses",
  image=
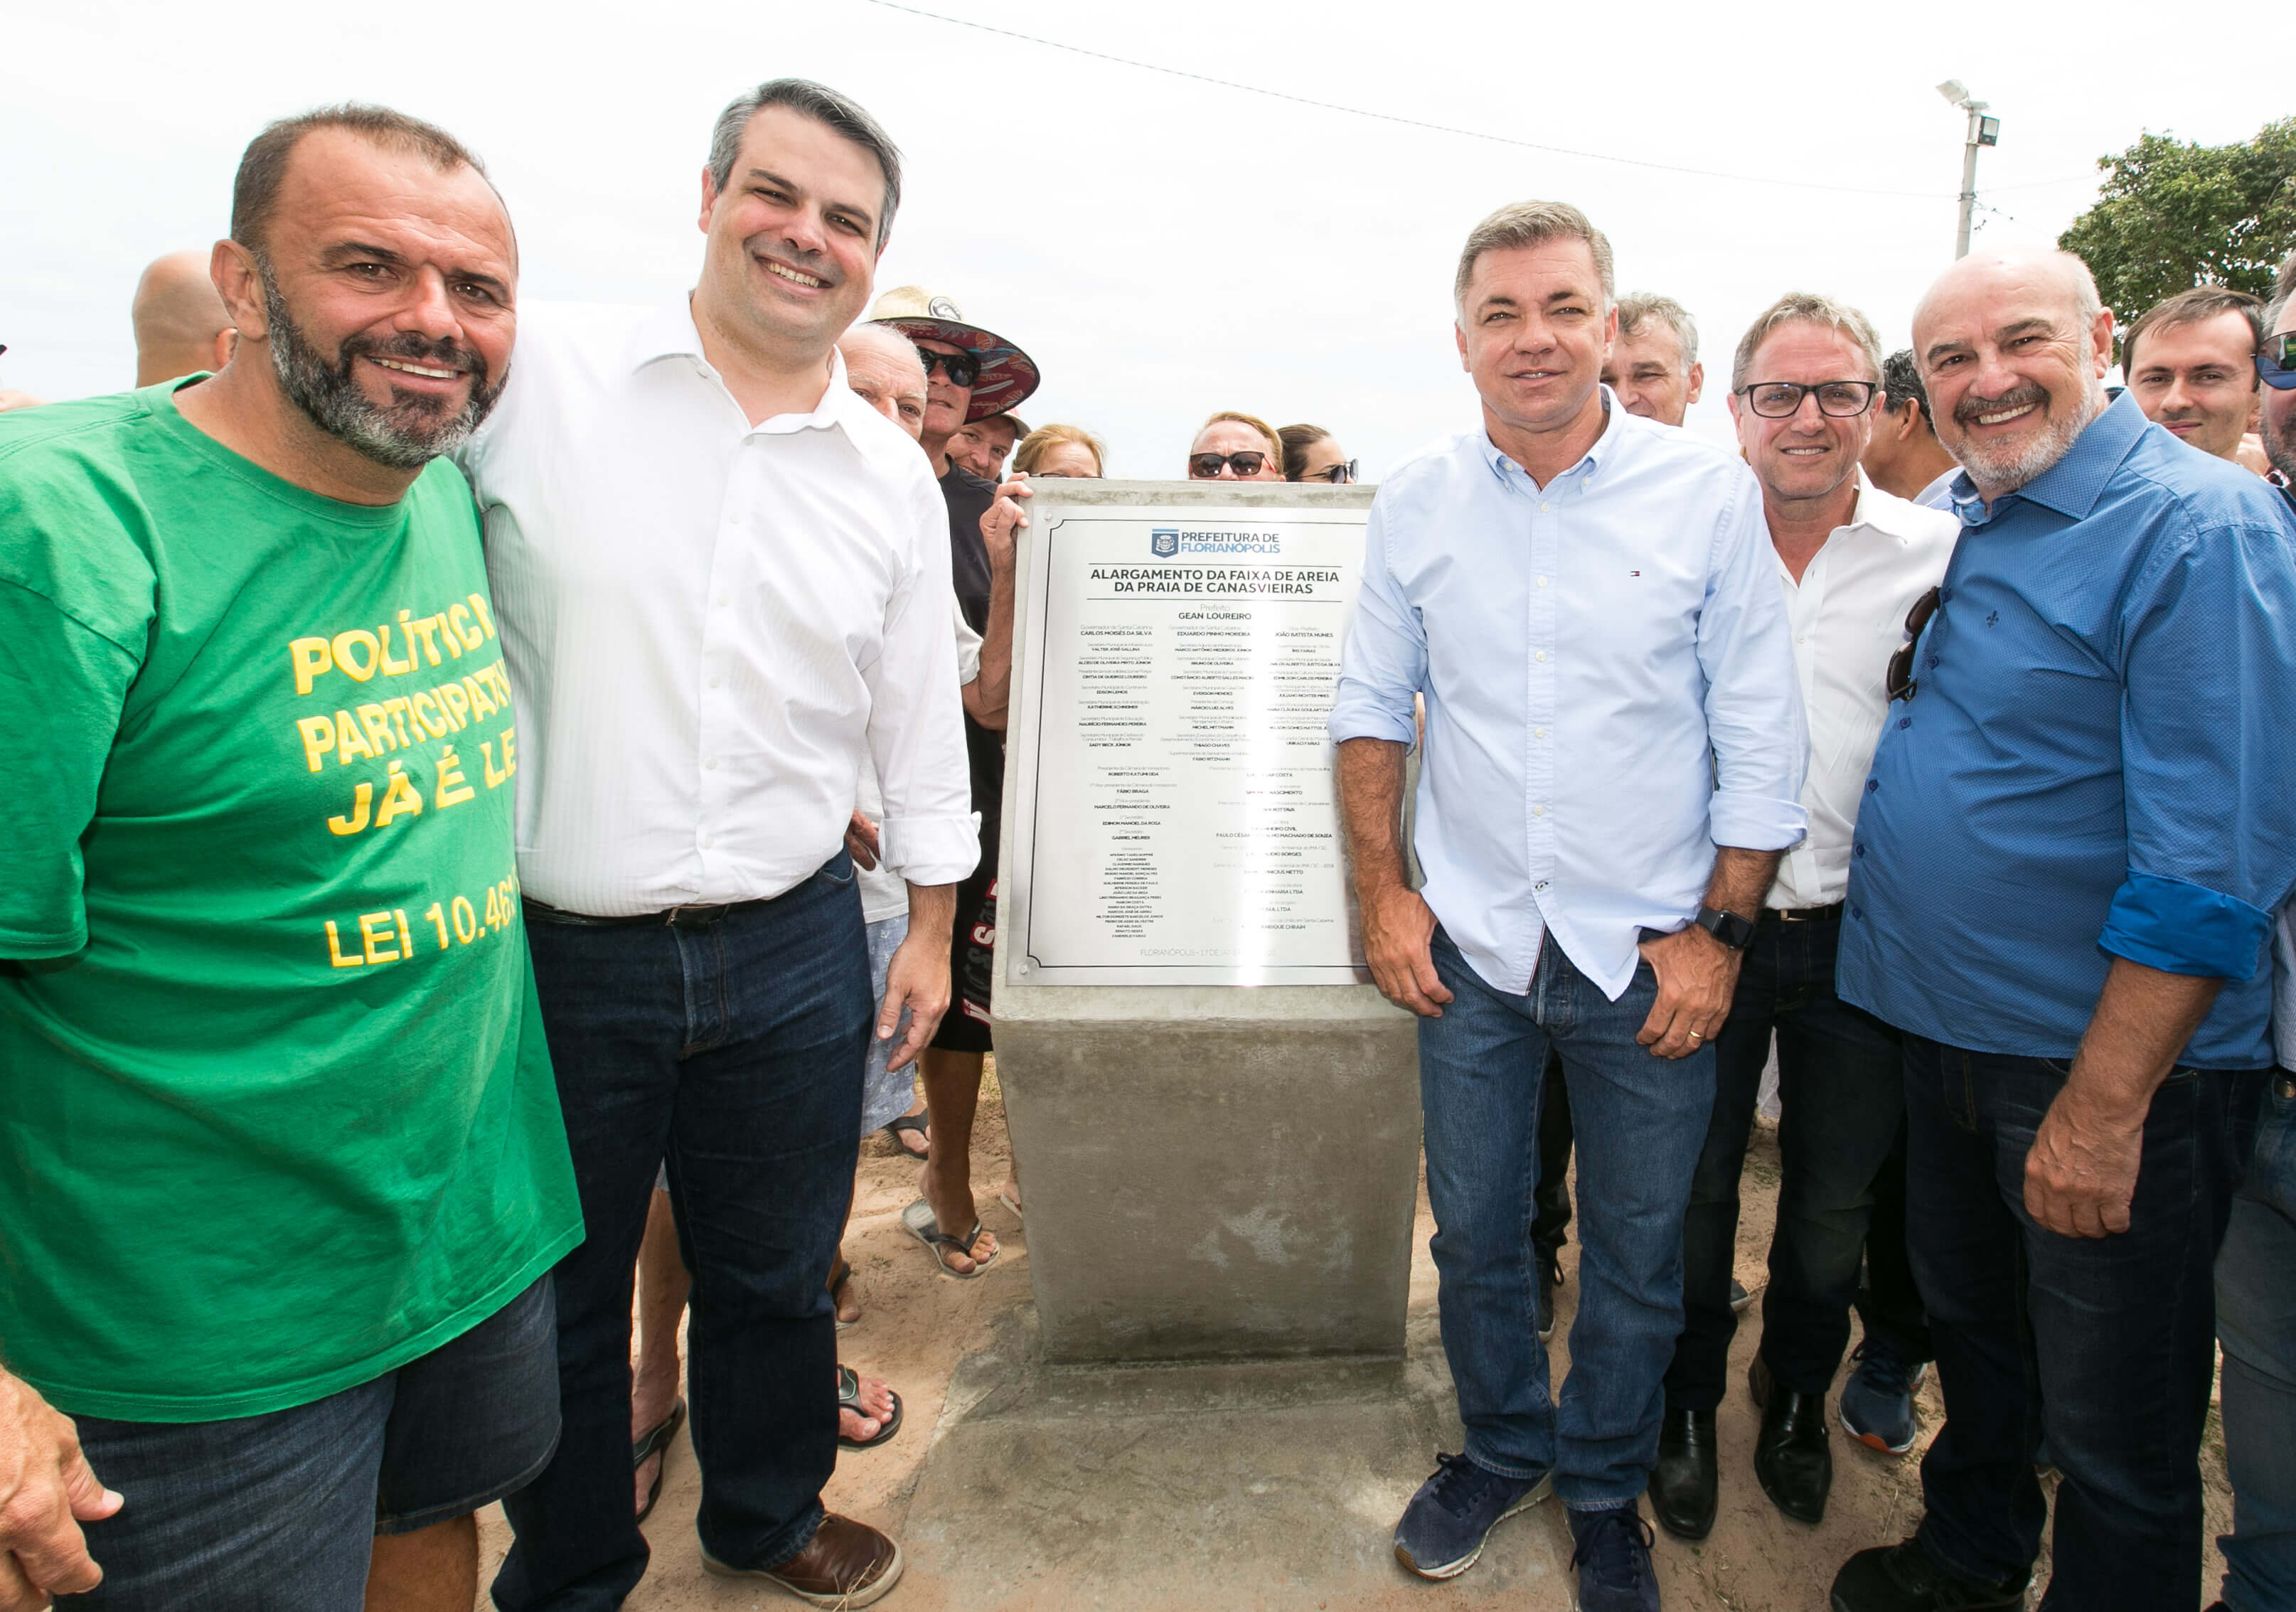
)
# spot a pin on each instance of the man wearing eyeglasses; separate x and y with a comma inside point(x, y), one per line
point(2256, 1270)
point(1614, 759)
point(1852, 560)
point(2077, 825)
point(1230, 446)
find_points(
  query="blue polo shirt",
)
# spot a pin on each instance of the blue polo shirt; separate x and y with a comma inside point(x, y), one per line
point(2096, 762)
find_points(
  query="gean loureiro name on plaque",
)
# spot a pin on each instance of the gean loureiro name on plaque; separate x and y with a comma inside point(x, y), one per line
point(1178, 816)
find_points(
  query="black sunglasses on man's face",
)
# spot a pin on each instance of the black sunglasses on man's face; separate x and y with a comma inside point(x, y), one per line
point(963, 368)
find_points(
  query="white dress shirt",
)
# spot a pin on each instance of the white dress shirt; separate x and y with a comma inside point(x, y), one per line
point(708, 622)
point(885, 894)
point(1610, 690)
point(1849, 618)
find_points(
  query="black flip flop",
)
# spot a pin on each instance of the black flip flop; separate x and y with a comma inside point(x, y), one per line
point(655, 1440)
point(920, 1123)
point(848, 1398)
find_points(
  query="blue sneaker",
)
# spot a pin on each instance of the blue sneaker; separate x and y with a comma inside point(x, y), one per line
point(1444, 1527)
point(1613, 1560)
point(1877, 1402)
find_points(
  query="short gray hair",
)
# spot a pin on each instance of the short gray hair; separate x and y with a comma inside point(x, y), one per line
point(2283, 289)
point(823, 104)
point(1806, 308)
point(870, 332)
point(1638, 308)
point(1529, 224)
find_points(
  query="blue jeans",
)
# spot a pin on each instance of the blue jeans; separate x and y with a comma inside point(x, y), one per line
point(1842, 1093)
point(2106, 1344)
point(1639, 1121)
point(2256, 1319)
point(733, 1052)
point(278, 1512)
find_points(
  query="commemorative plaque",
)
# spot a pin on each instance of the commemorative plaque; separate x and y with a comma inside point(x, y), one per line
point(1175, 798)
point(1215, 1116)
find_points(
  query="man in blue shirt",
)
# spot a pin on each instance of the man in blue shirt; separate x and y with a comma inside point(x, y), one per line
point(1613, 762)
point(2256, 1270)
point(2077, 826)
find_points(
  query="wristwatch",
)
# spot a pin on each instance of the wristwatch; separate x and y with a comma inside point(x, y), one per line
point(1733, 931)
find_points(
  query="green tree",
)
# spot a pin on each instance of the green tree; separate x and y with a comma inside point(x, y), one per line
point(2174, 215)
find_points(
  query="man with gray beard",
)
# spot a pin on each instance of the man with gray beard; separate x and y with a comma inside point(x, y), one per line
point(2074, 832)
point(286, 1171)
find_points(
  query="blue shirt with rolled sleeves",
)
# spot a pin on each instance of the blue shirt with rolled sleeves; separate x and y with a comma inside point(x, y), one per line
point(2095, 762)
point(1610, 686)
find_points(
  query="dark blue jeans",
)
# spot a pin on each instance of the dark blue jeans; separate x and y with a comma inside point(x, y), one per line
point(1639, 1120)
point(278, 1512)
point(1841, 1095)
point(2107, 1344)
point(735, 1054)
point(2256, 1317)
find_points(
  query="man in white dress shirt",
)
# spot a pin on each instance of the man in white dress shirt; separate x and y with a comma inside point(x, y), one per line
point(1613, 762)
point(1852, 561)
point(721, 579)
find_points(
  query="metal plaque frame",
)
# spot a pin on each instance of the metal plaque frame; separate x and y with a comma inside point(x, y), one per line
point(1075, 512)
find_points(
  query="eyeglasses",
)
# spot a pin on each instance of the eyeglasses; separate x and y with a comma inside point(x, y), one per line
point(1777, 399)
point(2275, 362)
point(1899, 680)
point(1206, 467)
point(963, 368)
point(1336, 474)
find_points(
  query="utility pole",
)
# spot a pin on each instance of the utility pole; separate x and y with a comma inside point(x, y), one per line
point(1982, 131)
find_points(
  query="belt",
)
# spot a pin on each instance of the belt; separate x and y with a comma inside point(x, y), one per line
point(1803, 914)
point(676, 918)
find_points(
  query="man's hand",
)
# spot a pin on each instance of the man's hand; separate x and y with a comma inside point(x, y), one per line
point(2081, 1172)
point(1697, 977)
point(1397, 926)
point(918, 980)
point(1003, 519)
point(861, 842)
point(46, 1491)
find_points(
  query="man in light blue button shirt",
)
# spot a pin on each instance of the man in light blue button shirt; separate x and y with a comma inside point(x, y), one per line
point(1613, 762)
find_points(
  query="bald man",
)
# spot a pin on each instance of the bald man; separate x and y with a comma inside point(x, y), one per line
point(2073, 833)
point(181, 325)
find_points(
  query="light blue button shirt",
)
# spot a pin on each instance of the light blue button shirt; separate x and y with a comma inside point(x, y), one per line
point(1610, 688)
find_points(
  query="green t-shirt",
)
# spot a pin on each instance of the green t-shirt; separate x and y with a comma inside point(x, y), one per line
point(284, 1119)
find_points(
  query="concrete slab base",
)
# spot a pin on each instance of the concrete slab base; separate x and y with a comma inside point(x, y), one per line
point(1269, 1485)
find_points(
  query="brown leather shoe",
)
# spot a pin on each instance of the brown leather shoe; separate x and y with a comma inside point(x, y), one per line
point(845, 1564)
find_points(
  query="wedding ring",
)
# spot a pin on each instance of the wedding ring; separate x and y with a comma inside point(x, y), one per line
point(1695, 1037)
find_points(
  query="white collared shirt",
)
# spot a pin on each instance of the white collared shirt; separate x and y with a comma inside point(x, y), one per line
point(707, 623)
point(1848, 616)
point(1608, 692)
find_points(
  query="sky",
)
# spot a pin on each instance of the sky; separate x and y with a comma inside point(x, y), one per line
point(1162, 247)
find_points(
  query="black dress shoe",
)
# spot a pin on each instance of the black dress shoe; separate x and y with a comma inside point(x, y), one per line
point(1792, 1457)
point(1683, 1485)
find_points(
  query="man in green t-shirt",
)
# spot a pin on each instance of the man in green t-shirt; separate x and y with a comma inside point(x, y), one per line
point(281, 1159)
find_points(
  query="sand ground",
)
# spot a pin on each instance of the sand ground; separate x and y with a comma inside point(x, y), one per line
point(917, 1324)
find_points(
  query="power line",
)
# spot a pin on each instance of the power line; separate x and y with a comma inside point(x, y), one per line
point(1440, 128)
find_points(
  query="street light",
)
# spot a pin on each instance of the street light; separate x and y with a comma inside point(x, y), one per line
point(1982, 131)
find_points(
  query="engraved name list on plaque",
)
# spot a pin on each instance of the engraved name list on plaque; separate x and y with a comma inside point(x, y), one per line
point(1175, 816)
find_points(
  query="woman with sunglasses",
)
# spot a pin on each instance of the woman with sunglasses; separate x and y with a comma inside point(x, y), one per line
point(1312, 454)
point(1230, 446)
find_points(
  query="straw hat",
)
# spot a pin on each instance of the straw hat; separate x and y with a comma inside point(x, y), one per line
point(1007, 374)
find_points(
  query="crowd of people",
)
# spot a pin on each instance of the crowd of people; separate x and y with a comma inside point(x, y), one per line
point(499, 836)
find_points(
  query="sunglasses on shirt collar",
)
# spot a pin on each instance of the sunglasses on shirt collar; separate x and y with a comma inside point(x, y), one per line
point(2275, 362)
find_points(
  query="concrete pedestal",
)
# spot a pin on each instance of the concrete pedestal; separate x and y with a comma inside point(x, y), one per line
point(1213, 1171)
